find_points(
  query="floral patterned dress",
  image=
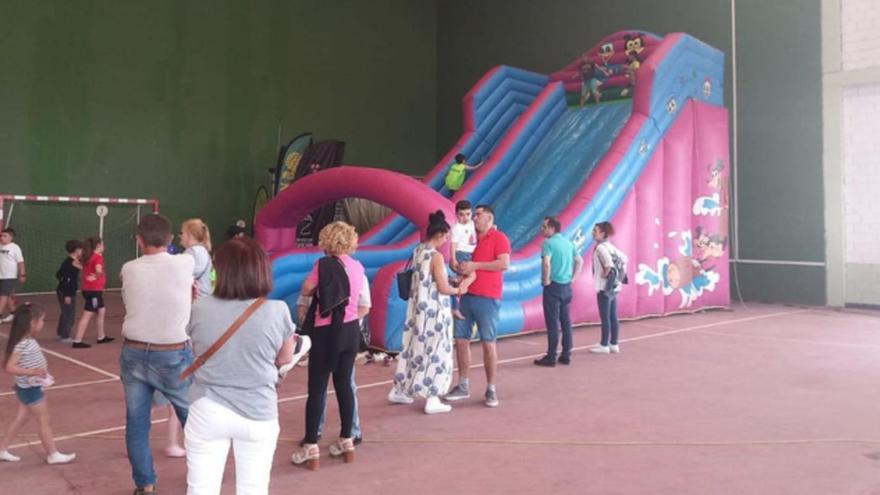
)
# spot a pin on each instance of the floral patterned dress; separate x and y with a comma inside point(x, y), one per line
point(425, 365)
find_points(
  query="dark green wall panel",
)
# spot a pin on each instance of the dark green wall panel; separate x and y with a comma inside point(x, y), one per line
point(182, 100)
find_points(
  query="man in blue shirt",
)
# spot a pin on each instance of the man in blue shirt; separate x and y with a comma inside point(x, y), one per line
point(561, 264)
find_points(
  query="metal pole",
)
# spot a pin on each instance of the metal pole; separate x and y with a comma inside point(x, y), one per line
point(734, 135)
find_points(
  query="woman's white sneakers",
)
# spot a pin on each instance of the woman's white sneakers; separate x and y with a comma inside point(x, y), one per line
point(7, 456)
point(59, 458)
point(605, 349)
point(397, 397)
point(434, 406)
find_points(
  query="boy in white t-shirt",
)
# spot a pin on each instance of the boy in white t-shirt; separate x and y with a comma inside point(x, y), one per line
point(464, 240)
point(11, 271)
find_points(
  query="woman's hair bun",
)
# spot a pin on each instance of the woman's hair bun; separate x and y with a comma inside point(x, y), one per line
point(437, 217)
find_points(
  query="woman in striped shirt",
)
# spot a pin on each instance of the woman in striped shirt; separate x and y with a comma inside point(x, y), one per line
point(26, 361)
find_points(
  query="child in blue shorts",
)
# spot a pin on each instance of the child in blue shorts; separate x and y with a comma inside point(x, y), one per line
point(25, 360)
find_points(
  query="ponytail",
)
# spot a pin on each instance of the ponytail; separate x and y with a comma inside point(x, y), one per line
point(199, 231)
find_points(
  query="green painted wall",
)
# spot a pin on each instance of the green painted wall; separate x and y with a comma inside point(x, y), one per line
point(182, 100)
point(781, 207)
point(778, 93)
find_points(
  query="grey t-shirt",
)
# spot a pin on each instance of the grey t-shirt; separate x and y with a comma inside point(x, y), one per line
point(242, 374)
point(202, 270)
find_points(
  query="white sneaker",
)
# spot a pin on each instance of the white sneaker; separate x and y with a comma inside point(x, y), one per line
point(614, 348)
point(434, 406)
point(59, 458)
point(397, 397)
point(600, 349)
point(8, 319)
point(7, 456)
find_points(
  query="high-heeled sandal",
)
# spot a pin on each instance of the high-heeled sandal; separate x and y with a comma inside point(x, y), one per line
point(344, 447)
point(310, 455)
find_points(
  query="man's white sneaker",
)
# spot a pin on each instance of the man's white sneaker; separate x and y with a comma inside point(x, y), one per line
point(600, 349)
point(614, 349)
point(8, 319)
point(434, 406)
point(397, 397)
point(7, 456)
point(59, 458)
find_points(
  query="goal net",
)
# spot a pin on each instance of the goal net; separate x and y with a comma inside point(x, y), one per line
point(43, 224)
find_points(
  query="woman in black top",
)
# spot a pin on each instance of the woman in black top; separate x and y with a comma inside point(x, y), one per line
point(68, 283)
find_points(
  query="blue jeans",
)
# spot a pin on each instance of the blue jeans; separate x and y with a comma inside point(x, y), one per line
point(356, 421)
point(557, 312)
point(144, 372)
point(608, 314)
point(481, 310)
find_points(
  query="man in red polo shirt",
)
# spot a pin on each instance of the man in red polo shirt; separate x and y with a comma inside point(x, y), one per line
point(482, 303)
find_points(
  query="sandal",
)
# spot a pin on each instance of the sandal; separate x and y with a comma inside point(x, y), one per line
point(310, 455)
point(344, 447)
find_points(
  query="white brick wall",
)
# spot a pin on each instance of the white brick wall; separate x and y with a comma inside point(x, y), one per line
point(860, 39)
point(861, 163)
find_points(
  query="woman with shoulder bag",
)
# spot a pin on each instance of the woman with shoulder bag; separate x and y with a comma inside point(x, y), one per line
point(241, 339)
point(425, 366)
point(607, 287)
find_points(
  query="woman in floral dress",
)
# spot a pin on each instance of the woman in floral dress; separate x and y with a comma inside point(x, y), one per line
point(425, 366)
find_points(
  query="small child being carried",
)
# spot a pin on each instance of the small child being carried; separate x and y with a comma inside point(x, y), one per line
point(464, 241)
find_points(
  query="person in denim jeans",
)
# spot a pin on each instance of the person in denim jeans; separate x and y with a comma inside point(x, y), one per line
point(560, 266)
point(606, 287)
point(157, 293)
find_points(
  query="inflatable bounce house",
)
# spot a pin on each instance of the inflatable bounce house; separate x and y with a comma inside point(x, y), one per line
point(633, 131)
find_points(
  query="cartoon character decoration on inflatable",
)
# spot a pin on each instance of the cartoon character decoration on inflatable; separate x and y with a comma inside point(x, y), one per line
point(712, 204)
point(684, 274)
point(708, 246)
point(634, 44)
point(595, 72)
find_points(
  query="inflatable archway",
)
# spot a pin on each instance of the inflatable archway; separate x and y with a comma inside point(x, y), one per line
point(276, 223)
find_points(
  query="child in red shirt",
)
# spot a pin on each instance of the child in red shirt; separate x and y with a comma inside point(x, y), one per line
point(93, 283)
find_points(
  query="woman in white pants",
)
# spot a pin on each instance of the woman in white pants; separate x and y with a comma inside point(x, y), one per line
point(233, 398)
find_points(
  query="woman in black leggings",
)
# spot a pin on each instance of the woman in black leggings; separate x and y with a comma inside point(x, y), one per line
point(332, 322)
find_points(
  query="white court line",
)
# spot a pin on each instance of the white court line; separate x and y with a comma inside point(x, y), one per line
point(798, 341)
point(80, 363)
point(74, 361)
point(70, 385)
point(477, 365)
point(651, 325)
point(83, 434)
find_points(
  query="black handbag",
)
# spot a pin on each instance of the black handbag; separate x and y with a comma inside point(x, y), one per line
point(404, 281)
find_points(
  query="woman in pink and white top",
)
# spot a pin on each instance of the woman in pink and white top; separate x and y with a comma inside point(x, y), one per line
point(332, 322)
